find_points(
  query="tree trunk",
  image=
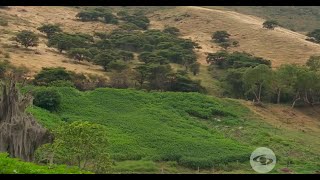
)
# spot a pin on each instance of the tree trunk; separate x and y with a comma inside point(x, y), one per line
point(296, 99)
point(260, 87)
point(279, 95)
point(20, 134)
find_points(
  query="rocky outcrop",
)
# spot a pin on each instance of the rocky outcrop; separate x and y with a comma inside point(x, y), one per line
point(20, 134)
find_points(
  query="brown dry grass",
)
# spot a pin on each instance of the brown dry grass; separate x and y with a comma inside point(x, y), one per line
point(281, 46)
point(302, 119)
point(30, 18)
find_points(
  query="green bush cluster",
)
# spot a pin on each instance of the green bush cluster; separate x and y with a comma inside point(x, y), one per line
point(224, 60)
point(15, 166)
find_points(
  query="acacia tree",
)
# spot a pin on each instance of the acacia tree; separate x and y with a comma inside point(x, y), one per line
point(270, 24)
point(27, 38)
point(50, 29)
point(104, 59)
point(257, 78)
point(142, 72)
point(220, 36)
point(79, 54)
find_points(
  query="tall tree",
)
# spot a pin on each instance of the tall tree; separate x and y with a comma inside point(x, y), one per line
point(256, 79)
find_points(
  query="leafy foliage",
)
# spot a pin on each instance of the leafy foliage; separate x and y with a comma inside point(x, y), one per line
point(224, 60)
point(16, 166)
point(27, 38)
point(49, 75)
point(270, 24)
point(79, 143)
point(50, 29)
point(133, 119)
point(48, 99)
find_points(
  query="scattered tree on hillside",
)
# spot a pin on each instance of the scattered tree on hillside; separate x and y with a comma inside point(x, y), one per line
point(50, 29)
point(88, 15)
point(104, 59)
point(270, 24)
point(79, 54)
point(220, 36)
point(27, 38)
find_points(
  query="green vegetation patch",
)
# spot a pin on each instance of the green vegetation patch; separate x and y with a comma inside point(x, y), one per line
point(155, 126)
point(16, 166)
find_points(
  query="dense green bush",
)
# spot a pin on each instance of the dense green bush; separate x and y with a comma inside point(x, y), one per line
point(224, 59)
point(48, 99)
point(50, 29)
point(49, 75)
point(27, 38)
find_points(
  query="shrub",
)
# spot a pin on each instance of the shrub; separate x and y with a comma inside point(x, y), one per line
point(27, 38)
point(172, 30)
point(49, 75)
point(270, 24)
point(47, 99)
point(220, 36)
point(50, 29)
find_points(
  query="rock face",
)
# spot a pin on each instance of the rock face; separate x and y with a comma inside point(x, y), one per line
point(20, 134)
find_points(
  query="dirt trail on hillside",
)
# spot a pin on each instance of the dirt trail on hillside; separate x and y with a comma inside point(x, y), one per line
point(281, 46)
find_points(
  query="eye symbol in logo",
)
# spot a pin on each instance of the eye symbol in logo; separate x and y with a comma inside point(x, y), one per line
point(263, 160)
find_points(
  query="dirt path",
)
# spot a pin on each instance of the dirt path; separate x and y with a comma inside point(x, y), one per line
point(281, 46)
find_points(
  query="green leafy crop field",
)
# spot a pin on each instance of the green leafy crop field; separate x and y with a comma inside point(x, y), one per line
point(181, 132)
point(154, 126)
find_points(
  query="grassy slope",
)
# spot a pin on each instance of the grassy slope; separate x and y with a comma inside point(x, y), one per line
point(16, 166)
point(302, 19)
point(147, 127)
point(290, 47)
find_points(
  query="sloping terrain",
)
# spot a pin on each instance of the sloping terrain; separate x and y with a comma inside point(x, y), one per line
point(189, 129)
point(280, 45)
point(30, 18)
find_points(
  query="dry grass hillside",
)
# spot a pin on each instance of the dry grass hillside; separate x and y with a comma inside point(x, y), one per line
point(30, 18)
point(279, 45)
